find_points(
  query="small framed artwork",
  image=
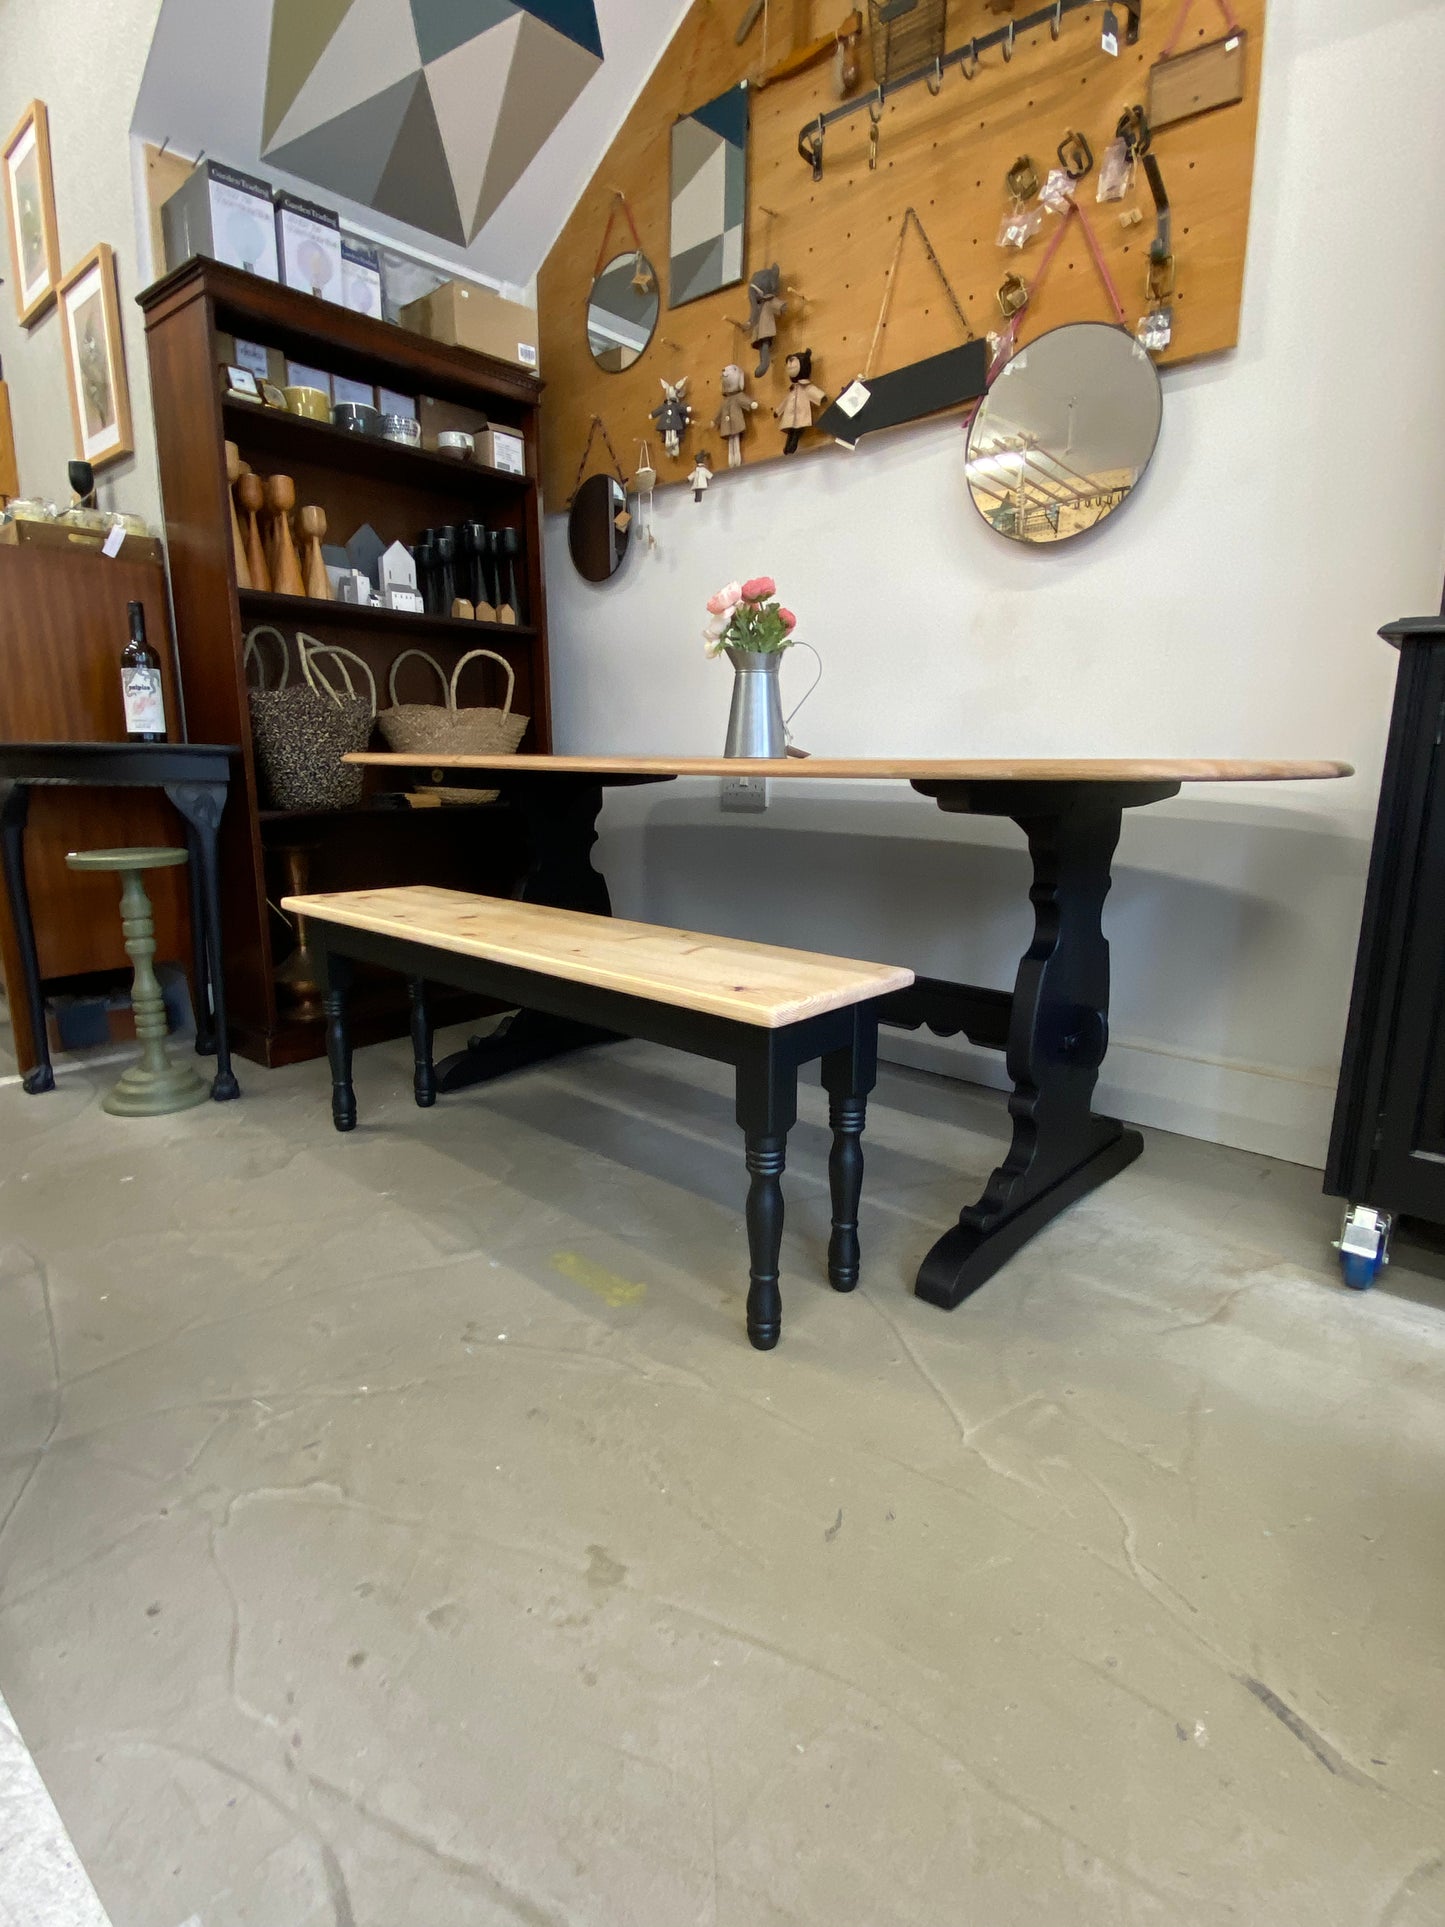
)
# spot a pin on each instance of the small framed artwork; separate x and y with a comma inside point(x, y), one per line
point(95, 359)
point(30, 214)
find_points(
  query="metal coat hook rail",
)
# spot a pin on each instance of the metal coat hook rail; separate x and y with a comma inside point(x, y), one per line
point(966, 58)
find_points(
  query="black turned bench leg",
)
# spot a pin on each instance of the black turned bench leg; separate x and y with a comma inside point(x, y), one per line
point(765, 1159)
point(848, 1076)
point(424, 1077)
point(767, 1110)
point(338, 1042)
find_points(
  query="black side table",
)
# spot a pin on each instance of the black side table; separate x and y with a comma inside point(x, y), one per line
point(195, 776)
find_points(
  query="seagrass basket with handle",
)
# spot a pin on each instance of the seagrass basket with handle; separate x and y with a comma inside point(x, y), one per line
point(432, 728)
point(302, 731)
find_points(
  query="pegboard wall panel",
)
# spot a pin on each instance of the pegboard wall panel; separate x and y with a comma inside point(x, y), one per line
point(945, 155)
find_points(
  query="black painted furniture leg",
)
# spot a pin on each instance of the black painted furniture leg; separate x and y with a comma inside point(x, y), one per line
point(338, 1042)
point(14, 814)
point(1058, 1033)
point(765, 1159)
point(424, 1082)
point(201, 805)
point(767, 1108)
point(848, 1076)
point(200, 960)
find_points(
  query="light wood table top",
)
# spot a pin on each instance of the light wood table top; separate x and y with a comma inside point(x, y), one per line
point(894, 769)
point(753, 983)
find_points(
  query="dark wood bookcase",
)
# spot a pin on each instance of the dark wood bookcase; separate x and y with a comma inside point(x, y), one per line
point(356, 479)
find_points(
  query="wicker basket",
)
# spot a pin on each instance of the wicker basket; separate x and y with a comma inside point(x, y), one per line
point(301, 734)
point(442, 728)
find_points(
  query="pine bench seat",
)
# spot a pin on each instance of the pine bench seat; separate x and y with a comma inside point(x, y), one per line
point(763, 1009)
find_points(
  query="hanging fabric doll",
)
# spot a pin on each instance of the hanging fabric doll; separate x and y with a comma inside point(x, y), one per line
point(700, 477)
point(673, 415)
point(765, 310)
point(732, 418)
point(795, 411)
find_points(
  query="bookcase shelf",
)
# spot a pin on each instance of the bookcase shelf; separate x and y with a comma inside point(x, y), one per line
point(356, 479)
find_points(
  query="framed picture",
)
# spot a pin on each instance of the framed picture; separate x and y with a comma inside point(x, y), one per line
point(30, 212)
point(95, 359)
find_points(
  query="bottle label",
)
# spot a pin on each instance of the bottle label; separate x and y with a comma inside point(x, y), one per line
point(145, 709)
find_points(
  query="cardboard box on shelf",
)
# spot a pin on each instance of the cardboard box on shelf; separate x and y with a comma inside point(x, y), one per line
point(360, 276)
point(224, 214)
point(503, 448)
point(436, 416)
point(308, 243)
point(468, 316)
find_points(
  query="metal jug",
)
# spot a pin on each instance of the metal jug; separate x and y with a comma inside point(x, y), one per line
point(756, 724)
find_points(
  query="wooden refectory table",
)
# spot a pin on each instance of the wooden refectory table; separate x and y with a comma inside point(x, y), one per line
point(1053, 1026)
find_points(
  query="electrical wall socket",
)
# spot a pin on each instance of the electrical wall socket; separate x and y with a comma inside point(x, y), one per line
point(745, 792)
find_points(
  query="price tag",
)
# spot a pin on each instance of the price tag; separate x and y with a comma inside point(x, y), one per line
point(853, 398)
point(1109, 38)
point(112, 543)
point(250, 354)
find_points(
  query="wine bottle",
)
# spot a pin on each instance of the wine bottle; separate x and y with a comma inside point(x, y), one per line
point(140, 682)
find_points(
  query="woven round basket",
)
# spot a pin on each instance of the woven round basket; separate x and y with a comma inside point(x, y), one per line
point(443, 728)
point(301, 733)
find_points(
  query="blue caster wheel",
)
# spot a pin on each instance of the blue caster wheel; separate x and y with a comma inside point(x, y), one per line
point(1363, 1245)
point(1358, 1273)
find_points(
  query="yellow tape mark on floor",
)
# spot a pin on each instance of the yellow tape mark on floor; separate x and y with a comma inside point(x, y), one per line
point(607, 1285)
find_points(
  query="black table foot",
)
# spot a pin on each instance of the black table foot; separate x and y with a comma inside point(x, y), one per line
point(528, 1037)
point(224, 1087)
point(1057, 1027)
point(35, 1083)
point(969, 1255)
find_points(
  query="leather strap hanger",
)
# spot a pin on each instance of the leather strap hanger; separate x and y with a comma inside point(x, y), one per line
point(910, 216)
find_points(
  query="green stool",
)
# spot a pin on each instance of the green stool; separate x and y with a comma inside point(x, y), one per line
point(154, 1086)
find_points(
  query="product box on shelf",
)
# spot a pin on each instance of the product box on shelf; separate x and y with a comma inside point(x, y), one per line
point(502, 448)
point(360, 276)
point(224, 214)
point(468, 316)
point(308, 242)
point(438, 417)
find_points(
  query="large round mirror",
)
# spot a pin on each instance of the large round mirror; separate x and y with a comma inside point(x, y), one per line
point(596, 542)
point(621, 312)
point(1064, 434)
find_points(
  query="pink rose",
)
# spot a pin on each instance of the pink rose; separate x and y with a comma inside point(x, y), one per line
point(725, 599)
point(759, 589)
point(788, 619)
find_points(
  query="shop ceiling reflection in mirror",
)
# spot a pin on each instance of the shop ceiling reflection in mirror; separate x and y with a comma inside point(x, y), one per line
point(1064, 435)
point(947, 137)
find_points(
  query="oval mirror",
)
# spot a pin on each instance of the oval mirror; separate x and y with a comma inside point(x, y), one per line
point(596, 542)
point(1064, 434)
point(621, 312)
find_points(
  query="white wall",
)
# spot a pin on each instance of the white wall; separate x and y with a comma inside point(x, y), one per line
point(1296, 503)
point(84, 59)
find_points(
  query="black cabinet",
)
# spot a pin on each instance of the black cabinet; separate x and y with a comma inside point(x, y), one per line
point(1387, 1145)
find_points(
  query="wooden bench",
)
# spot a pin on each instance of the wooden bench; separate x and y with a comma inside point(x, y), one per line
point(759, 1008)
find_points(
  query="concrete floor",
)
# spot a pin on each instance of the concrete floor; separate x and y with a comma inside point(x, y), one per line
point(399, 1531)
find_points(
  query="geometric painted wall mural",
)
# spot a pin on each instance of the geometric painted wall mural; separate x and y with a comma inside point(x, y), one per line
point(708, 192)
point(426, 110)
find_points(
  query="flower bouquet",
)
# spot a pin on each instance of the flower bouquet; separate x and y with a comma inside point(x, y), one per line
point(747, 615)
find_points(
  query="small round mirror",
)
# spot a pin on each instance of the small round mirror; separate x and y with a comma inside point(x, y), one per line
point(1064, 434)
point(597, 543)
point(621, 312)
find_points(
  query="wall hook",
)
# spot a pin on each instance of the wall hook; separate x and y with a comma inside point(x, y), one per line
point(1008, 43)
point(810, 147)
point(935, 79)
point(968, 66)
point(1057, 23)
